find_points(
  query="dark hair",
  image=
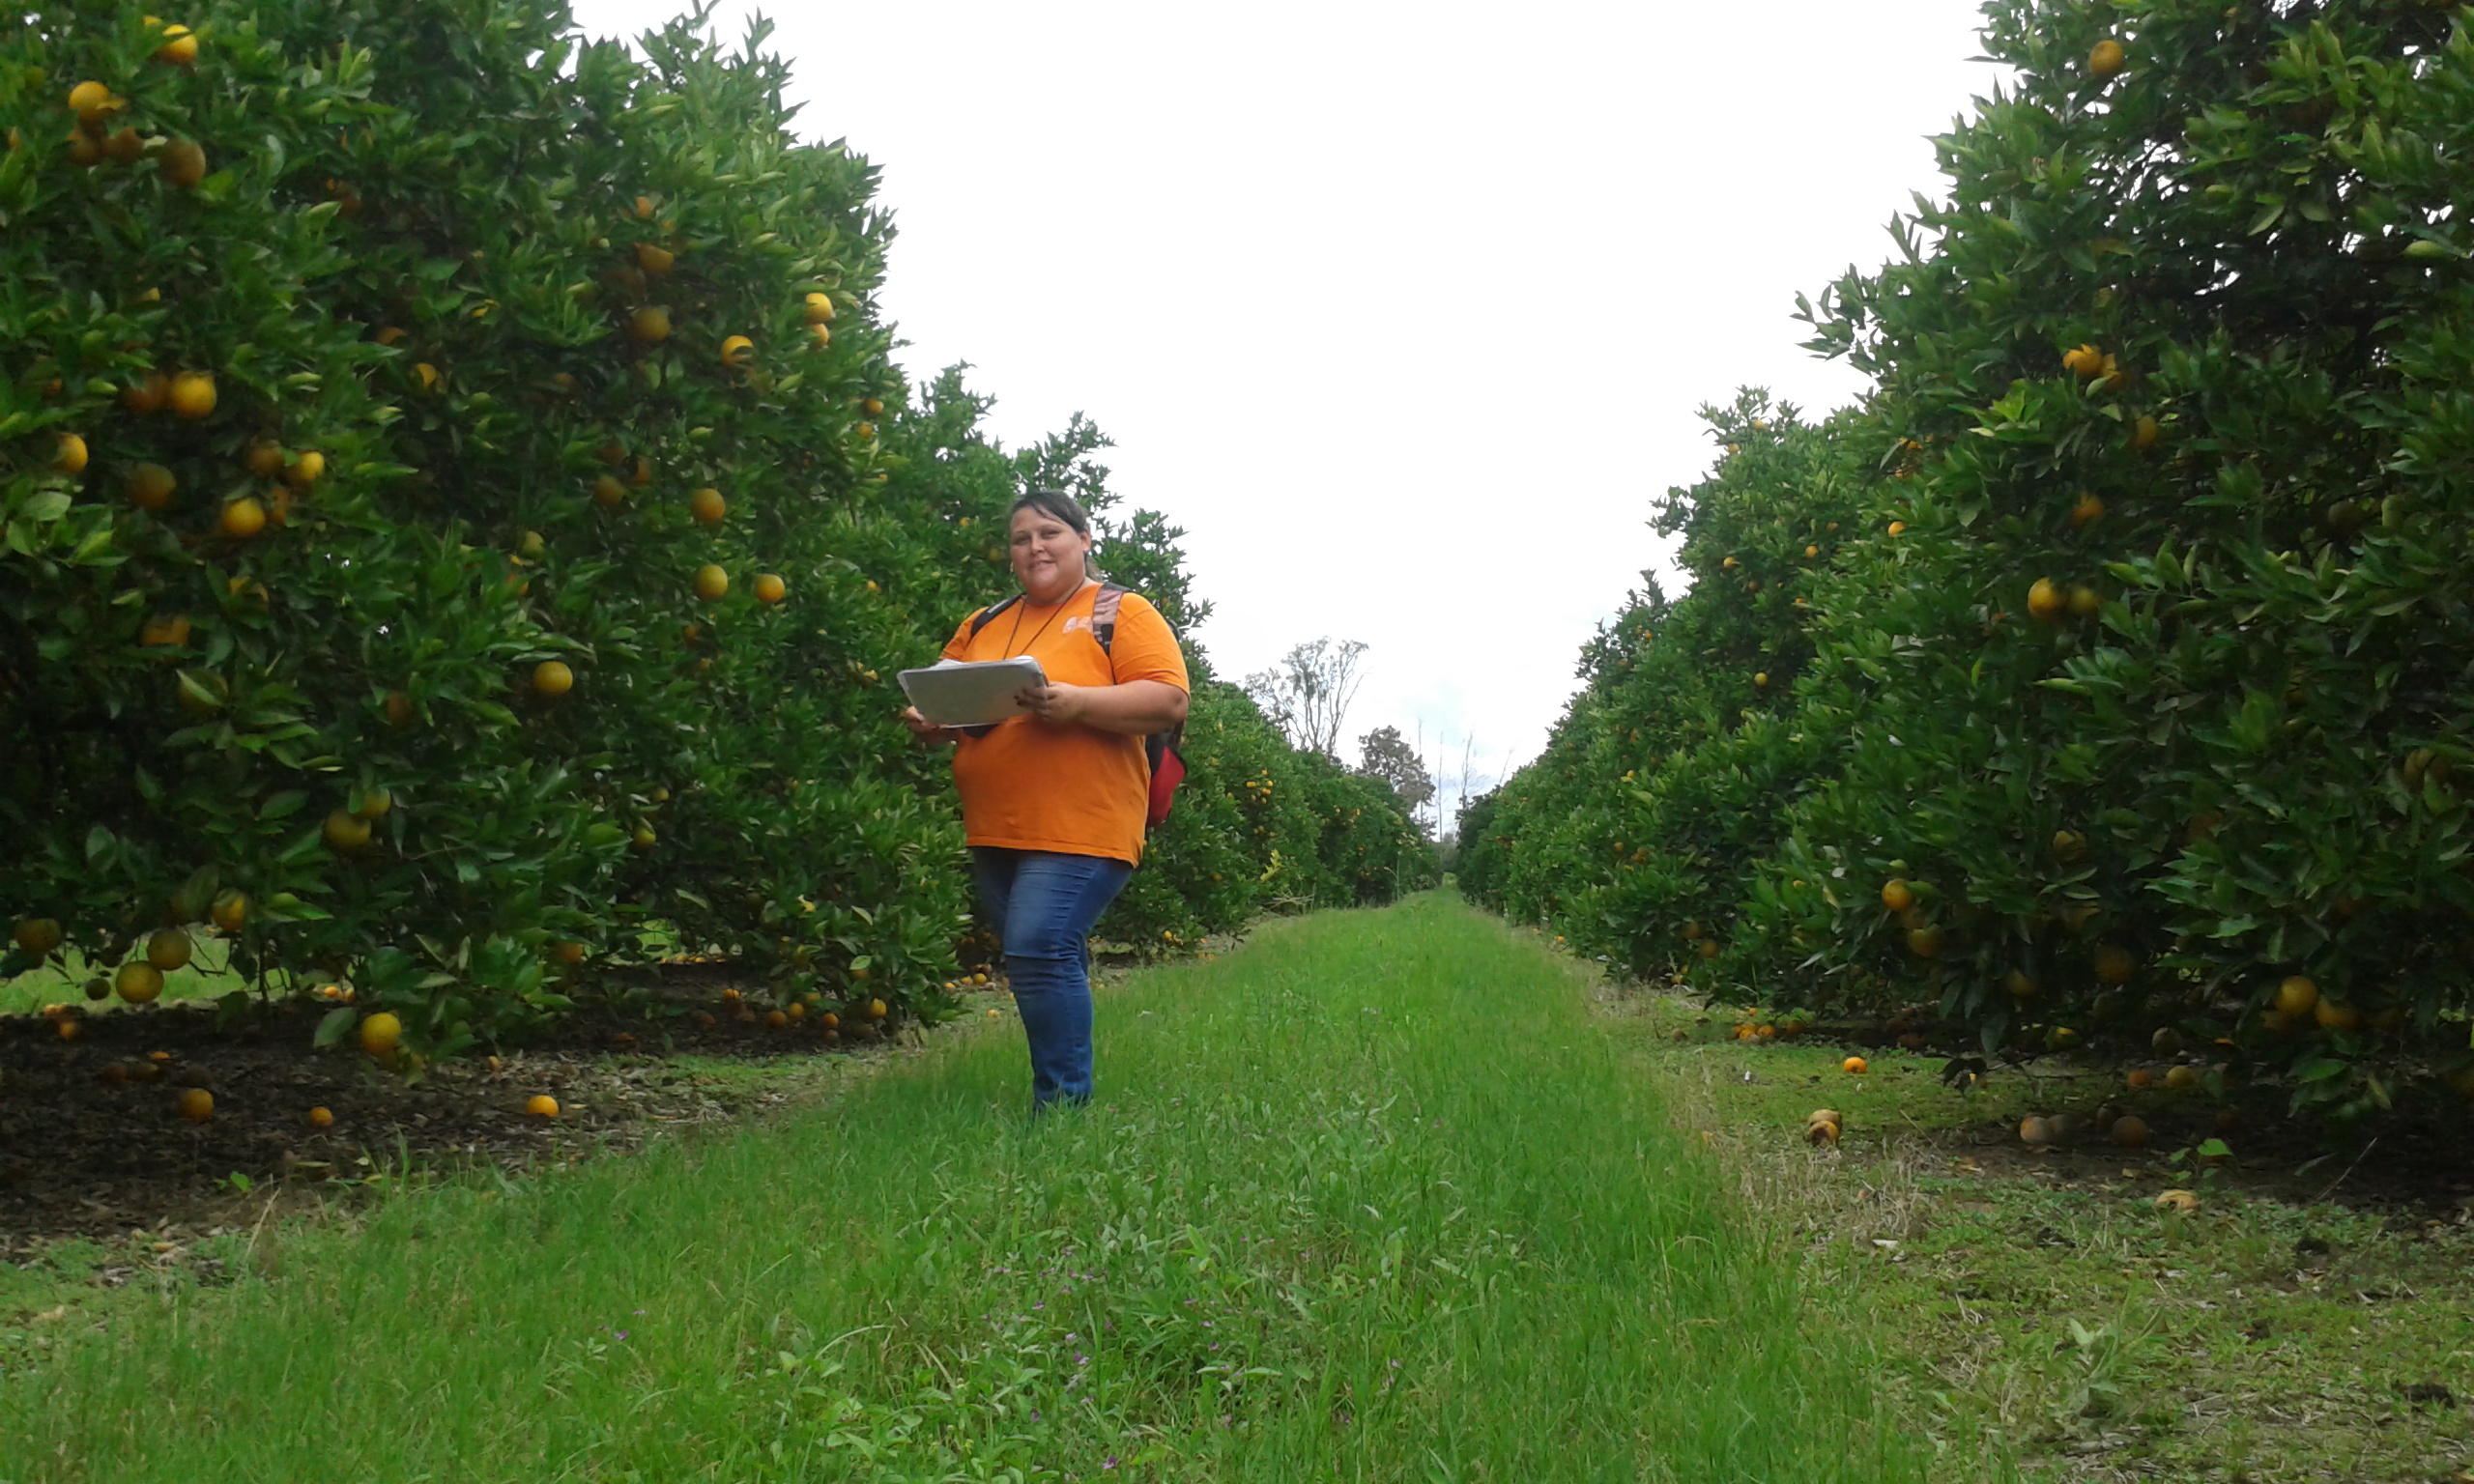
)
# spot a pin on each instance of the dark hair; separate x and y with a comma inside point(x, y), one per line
point(1058, 506)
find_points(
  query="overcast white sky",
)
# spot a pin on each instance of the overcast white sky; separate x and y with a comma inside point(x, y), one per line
point(1403, 310)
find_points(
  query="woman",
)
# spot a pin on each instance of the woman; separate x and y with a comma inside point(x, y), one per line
point(1053, 802)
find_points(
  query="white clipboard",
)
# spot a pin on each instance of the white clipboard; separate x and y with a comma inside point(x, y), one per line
point(971, 693)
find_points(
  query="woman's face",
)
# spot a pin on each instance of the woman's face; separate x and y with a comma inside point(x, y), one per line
point(1048, 555)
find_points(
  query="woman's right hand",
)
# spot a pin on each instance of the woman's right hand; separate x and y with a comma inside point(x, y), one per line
point(923, 729)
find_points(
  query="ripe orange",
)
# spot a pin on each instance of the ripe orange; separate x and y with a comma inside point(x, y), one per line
point(148, 394)
point(390, 335)
point(138, 981)
point(1853, 1065)
point(875, 408)
point(305, 471)
point(1896, 526)
point(2085, 361)
point(321, 1118)
point(346, 833)
point(818, 309)
point(124, 145)
point(769, 590)
point(2130, 1131)
point(776, 1020)
point(262, 459)
point(183, 163)
point(609, 493)
point(645, 838)
point(650, 325)
point(1897, 894)
point(69, 455)
point(707, 506)
point(2068, 845)
point(2297, 997)
point(169, 950)
point(2143, 434)
point(737, 351)
point(2140, 1078)
point(875, 1010)
point(231, 910)
point(381, 1034)
point(1924, 942)
point(241, 519)
point(427, 374)
point(2181, 1079)
point(642, 474)
point(2106, 58)
point(1709, 948)
point(2035, 1128)
point(654, 260)
point(568, 953)
point(179, 48)
point(192, 394)
point(2086, 512)
point(195, 1103)
point(552, 677)
point(399, 709)
point(2115, 964)
point(1761, 679)
point(92, 100)
point(85, 152)
point(829, 1021)
point(38, 934)
point(2044, 601)
point(2021, 984)
point(541, 1105)
point(712, 583)
point(820, 336)
point(2337, 1014)
point(375, 803)
point(2084, 602)
point(69, 1029)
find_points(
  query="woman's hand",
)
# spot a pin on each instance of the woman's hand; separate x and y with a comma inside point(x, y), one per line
point(924, 729)
point(1056, 702)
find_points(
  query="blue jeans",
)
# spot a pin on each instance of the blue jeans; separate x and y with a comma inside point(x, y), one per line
point(1044, 905)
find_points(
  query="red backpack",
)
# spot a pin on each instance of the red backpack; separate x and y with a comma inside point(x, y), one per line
point(1161, 748)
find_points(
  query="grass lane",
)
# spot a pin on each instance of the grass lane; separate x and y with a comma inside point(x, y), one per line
point(1370, 1199)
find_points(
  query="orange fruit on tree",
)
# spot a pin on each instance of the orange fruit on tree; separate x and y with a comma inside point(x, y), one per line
point(195, 1103)
point(770, 589)
point(85, 152)
point(183, 163)
point(737, 351)
point(818, 309)
point(552, 677)
point(69, 455)
point(2086, 512)
point(2115, 964)
point(875, 408)
point(1924, 942)
point(179, 48)
point(609, 493)
point(1897, 894)
point(321, 1118)
point(38, 934)
point(2106, 58)
point(306, 470)
point(1853, 1065)
point(149, 486)
point(262, 459)
point(2337, 1014)
point(712, 583)
point(398, 707)
point(148, 394)
point(92, 102)
point(169, 950)
point(381, 1034)
point(2144, 433)
point(346, 833)
point(2297, 997)
point(375, 804)
point(138, 981)
point(2021, 984)
point(541, 1105)
point(191, 396)
point(2084, 602)
point(427, 374)
point(642, 474)
point(230, 912)
point(653, 259)
point(820, 336)
point(569, 953)
point(707, 506)
point(241, 519)
point(1897, 527)
point(2044, 601)
point(650, 325)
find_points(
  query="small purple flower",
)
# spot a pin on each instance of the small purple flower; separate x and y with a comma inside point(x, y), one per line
point(1110, 1464)
point(1082, 1359)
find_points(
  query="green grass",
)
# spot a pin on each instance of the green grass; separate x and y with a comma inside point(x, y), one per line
point(2043, 1308)
point(1374, 1198)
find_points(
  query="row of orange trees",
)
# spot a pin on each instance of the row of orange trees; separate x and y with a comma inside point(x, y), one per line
point(2104, 675)
point(459, 520)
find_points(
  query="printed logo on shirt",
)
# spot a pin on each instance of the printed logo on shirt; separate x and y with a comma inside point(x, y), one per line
point(1076, 622)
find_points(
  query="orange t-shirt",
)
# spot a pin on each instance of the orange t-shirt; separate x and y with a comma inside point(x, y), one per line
point(1039, 785)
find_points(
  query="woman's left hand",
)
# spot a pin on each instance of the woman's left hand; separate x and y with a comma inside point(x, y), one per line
point(1054, 702)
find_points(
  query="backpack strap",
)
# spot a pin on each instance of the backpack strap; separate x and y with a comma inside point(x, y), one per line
point(1103, 619)
point(986, 616)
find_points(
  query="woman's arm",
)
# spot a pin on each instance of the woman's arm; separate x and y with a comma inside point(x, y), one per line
point(1136, 708)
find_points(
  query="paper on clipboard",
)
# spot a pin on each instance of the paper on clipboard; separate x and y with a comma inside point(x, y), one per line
point(971, 693)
